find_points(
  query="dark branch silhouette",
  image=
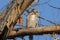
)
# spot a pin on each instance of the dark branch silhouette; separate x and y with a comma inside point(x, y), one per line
point(48, 20)
point(53, 6)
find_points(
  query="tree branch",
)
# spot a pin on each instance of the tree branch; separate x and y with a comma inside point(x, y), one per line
point(53, 6)
point(34, 31)
point(13, 14)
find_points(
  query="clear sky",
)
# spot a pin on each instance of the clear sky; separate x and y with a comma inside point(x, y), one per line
point(45, 11)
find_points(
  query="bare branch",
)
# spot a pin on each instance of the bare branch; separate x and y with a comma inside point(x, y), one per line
point(48, 20)
point(34, 31)
point(53, 6)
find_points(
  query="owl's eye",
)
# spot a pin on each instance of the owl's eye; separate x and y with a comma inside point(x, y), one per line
point(36, 11)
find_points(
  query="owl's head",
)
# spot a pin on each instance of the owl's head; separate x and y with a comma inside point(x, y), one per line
point(35, 11)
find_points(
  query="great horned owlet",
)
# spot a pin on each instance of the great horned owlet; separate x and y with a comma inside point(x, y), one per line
point(32, 19)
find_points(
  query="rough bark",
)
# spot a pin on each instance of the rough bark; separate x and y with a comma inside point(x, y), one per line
point(15, 13)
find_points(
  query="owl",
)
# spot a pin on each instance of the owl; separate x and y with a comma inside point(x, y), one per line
point(32, 19)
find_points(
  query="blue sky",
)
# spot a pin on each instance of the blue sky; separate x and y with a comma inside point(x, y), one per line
point(45, 11)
